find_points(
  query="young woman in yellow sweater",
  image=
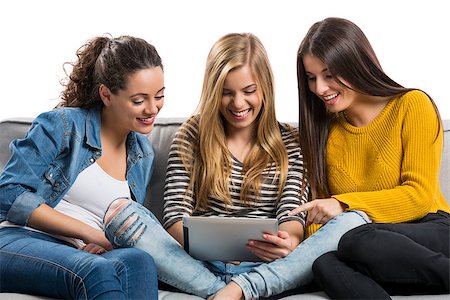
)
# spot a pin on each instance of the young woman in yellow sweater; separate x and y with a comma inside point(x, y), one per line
point(373, 146)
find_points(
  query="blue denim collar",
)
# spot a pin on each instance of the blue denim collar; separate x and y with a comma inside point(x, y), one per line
point(135, 150)
point(93, 124)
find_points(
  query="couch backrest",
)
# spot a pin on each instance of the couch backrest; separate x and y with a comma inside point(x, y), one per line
point(161, 138)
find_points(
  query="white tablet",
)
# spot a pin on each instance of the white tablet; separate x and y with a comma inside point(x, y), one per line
point(224, 238)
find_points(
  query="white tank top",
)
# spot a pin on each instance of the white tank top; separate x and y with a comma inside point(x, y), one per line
point(91, 194)
point(89, 198)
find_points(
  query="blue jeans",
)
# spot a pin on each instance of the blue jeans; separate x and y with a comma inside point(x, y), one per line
point(227, 271)
point(295, 269)
point(134, 225)
point(35, 263)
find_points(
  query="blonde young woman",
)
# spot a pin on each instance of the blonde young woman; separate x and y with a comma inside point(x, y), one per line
point(233, 159)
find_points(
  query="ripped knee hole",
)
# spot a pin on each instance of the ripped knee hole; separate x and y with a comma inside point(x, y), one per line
point(112, 212)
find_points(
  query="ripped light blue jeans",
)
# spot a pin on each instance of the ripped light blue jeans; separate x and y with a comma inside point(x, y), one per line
point(128, 224)
point(295, 269)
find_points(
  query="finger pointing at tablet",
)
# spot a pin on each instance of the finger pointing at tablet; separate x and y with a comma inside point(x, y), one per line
point(320, 211)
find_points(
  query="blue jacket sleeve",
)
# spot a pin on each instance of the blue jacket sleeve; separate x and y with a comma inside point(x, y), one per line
point(21, 180)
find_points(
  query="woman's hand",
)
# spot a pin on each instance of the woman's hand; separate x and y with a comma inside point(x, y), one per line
point(96, 237)
point(320, 211)
point(48, 219)
point(93, 248)
point(273, 246)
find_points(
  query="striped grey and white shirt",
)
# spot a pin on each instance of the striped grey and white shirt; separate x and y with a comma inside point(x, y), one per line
point(178, 204)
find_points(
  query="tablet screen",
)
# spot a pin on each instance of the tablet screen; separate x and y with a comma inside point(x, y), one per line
point(224, 238)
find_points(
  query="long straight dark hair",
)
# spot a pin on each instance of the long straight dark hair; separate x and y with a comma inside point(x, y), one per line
point(345, 50)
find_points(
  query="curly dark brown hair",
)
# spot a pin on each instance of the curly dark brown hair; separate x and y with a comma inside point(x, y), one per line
point(108, 61)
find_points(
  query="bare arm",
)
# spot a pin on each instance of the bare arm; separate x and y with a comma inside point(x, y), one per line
point(295, 232)
point(52, 221)
point(176, 231)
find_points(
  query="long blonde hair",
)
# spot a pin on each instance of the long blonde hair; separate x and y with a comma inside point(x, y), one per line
point(210, 163)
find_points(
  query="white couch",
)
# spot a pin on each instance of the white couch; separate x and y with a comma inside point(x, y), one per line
point(161, 138)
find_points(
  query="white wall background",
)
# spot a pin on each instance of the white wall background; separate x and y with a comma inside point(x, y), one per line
point(411, 38)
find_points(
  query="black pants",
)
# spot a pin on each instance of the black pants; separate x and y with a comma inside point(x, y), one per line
point(376, 260)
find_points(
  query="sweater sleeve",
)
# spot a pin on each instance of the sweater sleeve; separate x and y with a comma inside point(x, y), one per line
point(417, 190)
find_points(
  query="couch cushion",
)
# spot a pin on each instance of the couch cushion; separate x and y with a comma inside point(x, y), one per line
point(9, 130)
point(161, 138)
point(165, 129)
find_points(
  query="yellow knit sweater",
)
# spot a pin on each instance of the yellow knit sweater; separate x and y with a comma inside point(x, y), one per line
point(389, 168)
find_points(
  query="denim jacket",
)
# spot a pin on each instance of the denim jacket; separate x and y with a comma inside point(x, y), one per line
point(58, 146)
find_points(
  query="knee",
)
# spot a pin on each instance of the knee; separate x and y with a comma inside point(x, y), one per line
point(113, 210)
point(137, 272)
point(99, 276)
point(122, 223)
point(146, 267)
point(99, 268)
point(356, 243)
point(136, 263)
point(133, 258)
point(321, 266)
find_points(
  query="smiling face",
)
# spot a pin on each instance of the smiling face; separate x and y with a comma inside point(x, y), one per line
point(336, 97)
point(135, 107)
point(241, 100)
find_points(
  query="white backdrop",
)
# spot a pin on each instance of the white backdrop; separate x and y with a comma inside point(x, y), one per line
point(410, 37)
